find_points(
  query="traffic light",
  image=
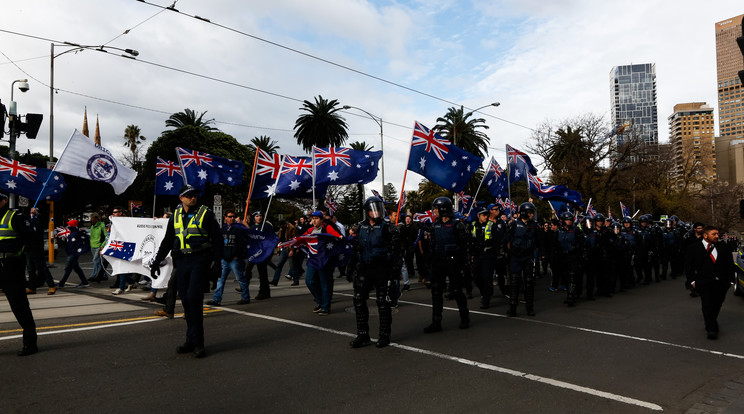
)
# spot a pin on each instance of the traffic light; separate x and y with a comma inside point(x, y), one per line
point(31, 126)
point(3, 115)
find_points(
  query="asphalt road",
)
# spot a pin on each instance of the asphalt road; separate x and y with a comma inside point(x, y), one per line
point(641, 351)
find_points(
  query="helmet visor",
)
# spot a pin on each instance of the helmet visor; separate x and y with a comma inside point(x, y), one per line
point(376, 210)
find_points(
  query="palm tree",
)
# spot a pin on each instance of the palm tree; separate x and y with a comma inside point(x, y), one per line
point(189, 118)
point(361, 146)
point(321, 126)
point(463, 132)
point(133, 139)
point(265, 143)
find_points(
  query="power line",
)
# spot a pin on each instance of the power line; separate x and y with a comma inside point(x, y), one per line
point(311, 56)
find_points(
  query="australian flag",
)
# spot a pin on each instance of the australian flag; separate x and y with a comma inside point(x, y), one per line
point(439, 161)
point(519, 164)
point(624, 209)
point(338, 166)
point(591, 211)
point(29, 181)
point(425, 217)
point(200, 168)
point(464, 201)
point(168, 177)
point(268, 167)
point(296, 179)
point(496, 180)
point(120, 249)
point(553, 192)
point(322, 249)
point(260, 245)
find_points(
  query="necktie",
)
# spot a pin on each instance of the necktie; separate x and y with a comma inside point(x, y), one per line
point(710, 252)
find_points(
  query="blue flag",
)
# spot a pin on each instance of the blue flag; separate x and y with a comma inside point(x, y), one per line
point(519, 164)
point(296, 179)
point(337, 166)
point(260, 245)
point(268, 167)
point(200, 168)
point(120, 249)
point(168, 177)
point(439, 161)
point(553, 192)
point(28, 181)
point(496, 180)
point(625, 210)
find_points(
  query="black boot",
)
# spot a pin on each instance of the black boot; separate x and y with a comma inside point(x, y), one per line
point(361, 341)
point(383, 341)
point(434, 327)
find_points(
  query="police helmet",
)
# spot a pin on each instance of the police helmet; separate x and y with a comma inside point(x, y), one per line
point(599, 217)
point(674, 218)
point(615, 226)
point(566, 215)
point(374, 207)
point(627, 220)
point(526, 208)
point(668, 223)
point(444, 205)
point(644, 219)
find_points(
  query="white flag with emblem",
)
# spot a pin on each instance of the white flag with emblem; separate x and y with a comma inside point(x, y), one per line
point(83, 158)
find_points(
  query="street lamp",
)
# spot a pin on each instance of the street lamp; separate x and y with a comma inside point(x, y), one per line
point(130, 54)
point(378, 120)
point(454, 127)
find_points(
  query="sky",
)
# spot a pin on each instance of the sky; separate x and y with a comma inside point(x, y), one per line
point(402, 61)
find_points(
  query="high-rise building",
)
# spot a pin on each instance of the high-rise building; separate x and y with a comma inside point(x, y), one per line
point(730, 106)
point(633, 103)
point(691, 134)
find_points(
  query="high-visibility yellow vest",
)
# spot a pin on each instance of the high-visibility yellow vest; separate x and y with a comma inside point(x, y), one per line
point(193, 232)
point(6, 229)
point(489, 225)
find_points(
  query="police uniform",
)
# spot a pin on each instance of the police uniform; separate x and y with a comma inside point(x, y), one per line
point(377, 260)
point(521, 239)
point(194, 240)
point(449, 244)
point(482, 248)
point(570, 249)
point(14, 232)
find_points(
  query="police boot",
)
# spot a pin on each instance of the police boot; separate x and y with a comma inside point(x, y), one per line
point(512, 310)
point(436, 326)
point(383, 341)
point(360, 341)
point(464, 323)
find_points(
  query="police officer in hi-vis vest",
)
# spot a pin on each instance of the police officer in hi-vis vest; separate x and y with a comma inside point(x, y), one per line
point(14, 234)
point(194, 239)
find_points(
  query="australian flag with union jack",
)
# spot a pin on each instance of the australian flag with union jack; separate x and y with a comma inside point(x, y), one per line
point(268, 167)
point(200, 168)
point(120, 249)
point(296, 179)
point(168, 177)
point(338, 166)
point(29, 181)
point(519, 164)
point(439, 161)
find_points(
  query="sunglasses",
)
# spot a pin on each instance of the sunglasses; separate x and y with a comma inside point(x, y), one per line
point(230, 216)
point(116, 212)
point(189, 196)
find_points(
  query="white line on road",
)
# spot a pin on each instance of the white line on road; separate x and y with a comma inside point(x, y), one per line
point(578, 328)
point(524, 375)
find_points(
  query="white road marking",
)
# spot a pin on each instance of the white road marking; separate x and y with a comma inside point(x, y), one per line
point(578, 328)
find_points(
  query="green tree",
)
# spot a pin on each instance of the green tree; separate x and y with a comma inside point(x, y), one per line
point(265, 143)
point(463, 131)
point(189, 117)
point(321, 125)
point(360, 146)
point(132, 139)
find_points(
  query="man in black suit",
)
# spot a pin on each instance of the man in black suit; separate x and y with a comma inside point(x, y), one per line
point(709, 266)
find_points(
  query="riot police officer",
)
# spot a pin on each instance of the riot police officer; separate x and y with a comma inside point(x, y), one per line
point(521, 245)
point(14, 234)
point(630, 236)
point(194, 239)
point(594, 255)
point(377, 258)
point(570, 252)
point(618, 259)
point(644, 250)
point(483, 257)
point(668, 249)
point(449, 244)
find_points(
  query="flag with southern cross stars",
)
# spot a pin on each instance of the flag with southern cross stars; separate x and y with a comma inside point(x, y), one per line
point(439, 161)
point(120, 249)
point(553, 192)
point(28, 181)
point(168, 177)
point(200, 168)
point(338, 166)
point(519, 164)
point(425, 217)
point(268, 167)
point(296, 179)
point(496, 180)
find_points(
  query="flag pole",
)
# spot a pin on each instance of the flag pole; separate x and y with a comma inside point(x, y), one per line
point(263, 222)
point(588, 205)
point(508, 171)
point(180, 164)
point(555, 213)
point(314, 206)
point(639, 210)
point(403, 185)
point(475, 196)
point(250, 188)
point(154, 199)
point(55, 167)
